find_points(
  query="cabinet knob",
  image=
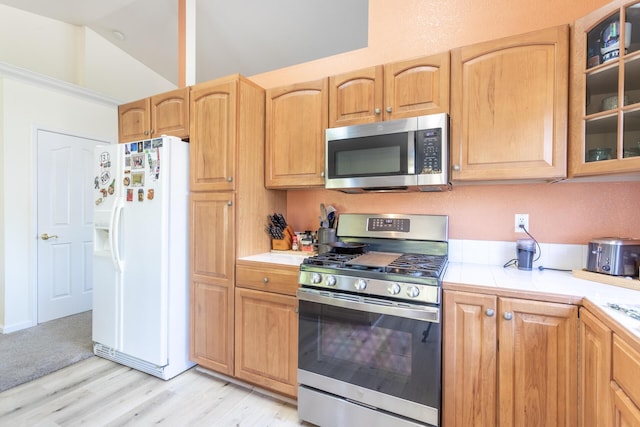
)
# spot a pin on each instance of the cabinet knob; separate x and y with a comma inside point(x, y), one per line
point(229, 203)
point(376, 110)
point(146, 132)
point(229, 179)
point(152, 132)
point(389, 109)
point(322, 174)
point(456, 167)
point(489, 312)
point(507, 315)
point(265, 279)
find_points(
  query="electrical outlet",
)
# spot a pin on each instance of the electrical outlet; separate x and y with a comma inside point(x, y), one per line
point(522, 220)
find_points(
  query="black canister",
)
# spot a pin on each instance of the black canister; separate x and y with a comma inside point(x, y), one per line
point(526, 248)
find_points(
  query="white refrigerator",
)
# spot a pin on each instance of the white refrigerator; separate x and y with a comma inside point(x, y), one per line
point(140, 257)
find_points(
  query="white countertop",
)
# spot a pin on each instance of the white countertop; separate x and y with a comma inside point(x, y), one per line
point(547, 282)
point(279, 257)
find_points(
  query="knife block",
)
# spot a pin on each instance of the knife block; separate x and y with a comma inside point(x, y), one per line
point(285, 243)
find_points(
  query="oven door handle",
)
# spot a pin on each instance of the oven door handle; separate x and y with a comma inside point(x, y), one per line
point(373, 305)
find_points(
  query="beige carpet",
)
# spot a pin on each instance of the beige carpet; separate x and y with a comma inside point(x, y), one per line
point(31, 353)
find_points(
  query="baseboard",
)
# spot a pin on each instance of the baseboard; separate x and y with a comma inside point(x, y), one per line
point(16, 327)
point(243, 384)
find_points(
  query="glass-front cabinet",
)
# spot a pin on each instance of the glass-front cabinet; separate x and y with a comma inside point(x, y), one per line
point(605, 91)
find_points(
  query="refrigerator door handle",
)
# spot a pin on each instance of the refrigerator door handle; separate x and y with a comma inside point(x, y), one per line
point(114, 236)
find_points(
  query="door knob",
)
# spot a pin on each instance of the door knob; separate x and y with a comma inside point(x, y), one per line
point(45, 236)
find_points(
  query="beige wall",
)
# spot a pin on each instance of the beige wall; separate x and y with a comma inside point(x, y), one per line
point(76, 55)
point(559, 213)
point(409, 28)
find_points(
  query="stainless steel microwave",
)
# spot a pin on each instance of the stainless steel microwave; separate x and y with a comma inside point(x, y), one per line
point(393, 156)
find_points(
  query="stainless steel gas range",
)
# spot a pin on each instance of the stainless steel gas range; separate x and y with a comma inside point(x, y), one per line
point(370, 332)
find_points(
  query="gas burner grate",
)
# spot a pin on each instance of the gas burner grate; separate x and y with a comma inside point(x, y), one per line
point(330, 259)
point(418, 265)
point(411, 264)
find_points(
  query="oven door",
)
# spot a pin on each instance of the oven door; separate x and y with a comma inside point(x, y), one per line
point(374, 352)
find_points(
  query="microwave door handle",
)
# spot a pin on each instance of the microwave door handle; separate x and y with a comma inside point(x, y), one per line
point(424, 313)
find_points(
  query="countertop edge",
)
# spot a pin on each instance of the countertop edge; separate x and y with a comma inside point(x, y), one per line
point(605, 317)
point(514, 293)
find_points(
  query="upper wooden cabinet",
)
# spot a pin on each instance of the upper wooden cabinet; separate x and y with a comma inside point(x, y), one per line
point(296, 119)
point(401, 89)
point(213, 129)
point(531, 375)
point(163, 114)
point(509, 107)
point(605, 88)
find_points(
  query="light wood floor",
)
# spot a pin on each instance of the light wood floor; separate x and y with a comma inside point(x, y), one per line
point(98, 392)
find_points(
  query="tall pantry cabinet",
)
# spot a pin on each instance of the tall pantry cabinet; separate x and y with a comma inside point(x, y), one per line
point(228, 208)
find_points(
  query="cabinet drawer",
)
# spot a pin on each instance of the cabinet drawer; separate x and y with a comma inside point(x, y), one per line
point(626, 367)
point(271, 279)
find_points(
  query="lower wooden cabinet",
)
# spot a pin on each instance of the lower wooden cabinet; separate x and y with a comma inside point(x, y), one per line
point(212, 327)
point(266, 326)
point(212, 248)
point(625, 413)
point(469, 391)
point(609, 367)
point(508, 361)
point(625, 386)
point(595, 371)
point(267, 340)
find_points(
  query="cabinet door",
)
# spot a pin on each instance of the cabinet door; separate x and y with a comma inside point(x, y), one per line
point(605, 92)
point(469, 360)
point(417, 87)
point(626, 366)
point(133, 121)
point(267, 340)
point(625, 413)
point(509, 107)
point(170, 113)
point(356, 97)
point(537, 363)
point(595, 371)
point(213, 135)
point(296, 119)
point(212, 276)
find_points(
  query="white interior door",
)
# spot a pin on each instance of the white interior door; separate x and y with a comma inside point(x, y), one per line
point(65, 232)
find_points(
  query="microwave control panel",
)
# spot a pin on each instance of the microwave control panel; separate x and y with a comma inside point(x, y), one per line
point(429, 151)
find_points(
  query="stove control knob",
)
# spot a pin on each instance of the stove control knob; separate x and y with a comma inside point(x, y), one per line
point(413, 291)
point(361, 285)
point(331, 281)
point(394, 289)
point(316, 278)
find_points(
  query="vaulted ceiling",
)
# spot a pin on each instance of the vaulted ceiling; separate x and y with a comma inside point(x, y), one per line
point(232, 36)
